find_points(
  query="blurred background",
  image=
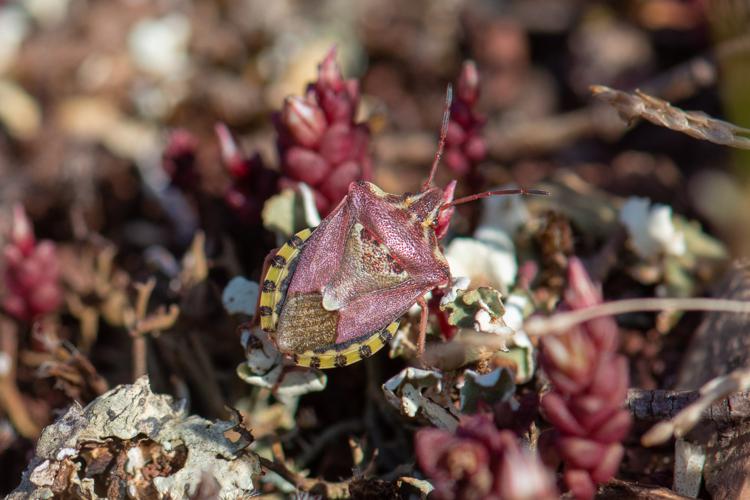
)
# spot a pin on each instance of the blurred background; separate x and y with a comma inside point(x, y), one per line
point(92, 92)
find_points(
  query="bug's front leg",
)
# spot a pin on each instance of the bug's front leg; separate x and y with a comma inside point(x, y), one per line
point(422, 327)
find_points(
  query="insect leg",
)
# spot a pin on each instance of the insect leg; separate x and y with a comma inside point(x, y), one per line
point(422, 326)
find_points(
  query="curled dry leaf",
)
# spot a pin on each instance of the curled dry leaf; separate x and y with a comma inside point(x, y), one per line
point(20, 114)
point(150, 449)
point(486, 389)
point(240, 296)
point(693, 123)
point(266, 367)
point(414, 391)
point(195, 263)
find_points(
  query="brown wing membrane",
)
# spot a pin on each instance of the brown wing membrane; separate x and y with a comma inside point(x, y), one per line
point(304, 325)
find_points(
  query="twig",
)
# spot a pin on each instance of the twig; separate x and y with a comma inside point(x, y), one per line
point(617, 488)
point(161, 320)
point(208, 389)
point(562, 321)
point(139, 341)
point(329, 489)
point(140, 324)
point(324, 439)
point(685, 420)
point(11, 400)
point(638, 104)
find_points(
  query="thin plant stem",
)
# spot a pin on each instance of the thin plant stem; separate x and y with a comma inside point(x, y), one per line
point(562, 321)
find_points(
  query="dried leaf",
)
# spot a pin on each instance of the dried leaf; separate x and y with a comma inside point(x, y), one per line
point(195, 263)
point(240, 296)
point(266, 367)
point(699, 244)
point(422, 485)
point(20, 114)
point(693, 123)
point(418, 392)
point(285, 214)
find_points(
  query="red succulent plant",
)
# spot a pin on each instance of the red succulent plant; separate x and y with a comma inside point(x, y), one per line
point(179, 159)
point(465, 147)
point(31, 271)
point(479, 461)
point(251, 182)
point(319, 141)
point(589, 385)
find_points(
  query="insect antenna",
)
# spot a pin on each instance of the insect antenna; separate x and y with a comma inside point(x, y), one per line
point(443, 135)
point(487, 194)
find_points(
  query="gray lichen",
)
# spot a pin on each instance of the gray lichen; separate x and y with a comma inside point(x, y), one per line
point(132, 443)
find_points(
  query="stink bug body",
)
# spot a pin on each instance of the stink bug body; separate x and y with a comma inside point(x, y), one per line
point(334, 294)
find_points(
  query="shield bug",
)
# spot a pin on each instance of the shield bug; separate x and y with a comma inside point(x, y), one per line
point(333, 295)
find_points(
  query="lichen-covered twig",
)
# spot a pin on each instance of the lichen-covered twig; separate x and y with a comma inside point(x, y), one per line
point(139, 341)
point(140, 324)
point(685, 420)
point(656, 405)
point(328, 489)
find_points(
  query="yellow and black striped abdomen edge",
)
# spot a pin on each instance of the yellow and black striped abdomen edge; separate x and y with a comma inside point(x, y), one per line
point(272, 294)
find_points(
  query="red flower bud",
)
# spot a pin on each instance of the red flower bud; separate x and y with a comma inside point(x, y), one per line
point(304, 121)
point(337, 144)
point(468, 83)
point(457, 161)
point(306, 165)
point(475, 148)
point(455, 136)
point(329, 72)
point(580, 483)
point(336, 186)
point(179, 159)
point(238, 166)
point(337, 106)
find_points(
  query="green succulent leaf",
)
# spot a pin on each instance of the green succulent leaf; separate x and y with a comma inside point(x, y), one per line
point(462, 311)
point(284, 214)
